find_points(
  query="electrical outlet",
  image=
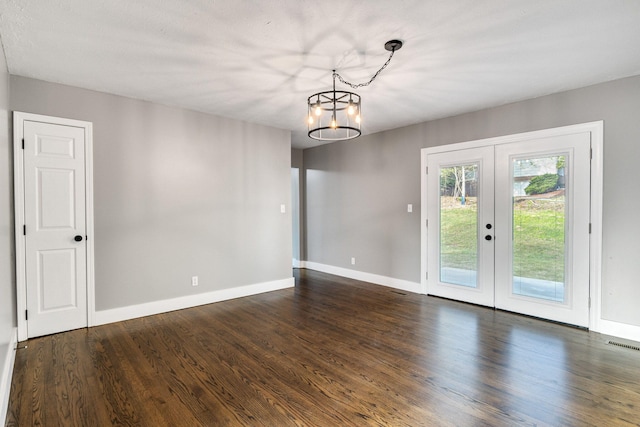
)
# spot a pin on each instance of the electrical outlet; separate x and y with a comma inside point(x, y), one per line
point(353, 261)
point(194, 281)
point(283, 209)
point(409, 208)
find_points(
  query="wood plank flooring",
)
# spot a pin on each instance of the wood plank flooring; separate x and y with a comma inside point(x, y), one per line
point(330, 352)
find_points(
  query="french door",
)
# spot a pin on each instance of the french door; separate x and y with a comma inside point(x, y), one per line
point(508, 226)
point(461, 215)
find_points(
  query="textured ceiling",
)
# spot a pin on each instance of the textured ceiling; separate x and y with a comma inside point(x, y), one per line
point(259, 60)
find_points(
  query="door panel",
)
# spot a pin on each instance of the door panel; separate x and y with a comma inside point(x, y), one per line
point(54, 179)
point(458, 214)
point(545, 232)
point(56, 198)
point(56, 280)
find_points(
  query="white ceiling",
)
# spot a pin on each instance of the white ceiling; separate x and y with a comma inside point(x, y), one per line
point(259, 60)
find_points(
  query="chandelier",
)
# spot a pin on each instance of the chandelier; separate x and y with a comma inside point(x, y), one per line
point(335, 115)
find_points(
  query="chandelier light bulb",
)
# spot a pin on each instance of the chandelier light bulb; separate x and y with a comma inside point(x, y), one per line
point(358, 119)
point(333, 123)
point(351, 109)
point(310, 119)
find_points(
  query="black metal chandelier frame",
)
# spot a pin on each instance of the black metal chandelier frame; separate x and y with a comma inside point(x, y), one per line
point(335, 115)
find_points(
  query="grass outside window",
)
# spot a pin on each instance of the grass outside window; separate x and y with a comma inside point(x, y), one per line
point(538, 224)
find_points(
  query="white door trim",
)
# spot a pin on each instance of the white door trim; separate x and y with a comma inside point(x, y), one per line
point(18, 161)
point(596, 130)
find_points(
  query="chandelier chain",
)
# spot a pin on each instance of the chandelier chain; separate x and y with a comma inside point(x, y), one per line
point(357, 85)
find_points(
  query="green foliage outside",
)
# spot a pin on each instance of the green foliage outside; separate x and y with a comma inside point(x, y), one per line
point(538, 238)
point(458, 238)
point(542, 184)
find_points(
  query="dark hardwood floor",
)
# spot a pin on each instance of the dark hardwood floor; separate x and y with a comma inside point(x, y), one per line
point(330, 352)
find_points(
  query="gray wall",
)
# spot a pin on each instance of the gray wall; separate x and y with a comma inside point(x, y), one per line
point(357, 192)
point(297, 156)
point(7, 276)
point(177, 194)
point(297, 162)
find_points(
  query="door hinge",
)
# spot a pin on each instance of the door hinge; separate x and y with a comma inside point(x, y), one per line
point(589, 228)
point(426, 170)
point(26, 315)
point(591, 153)
point(426, 223)
point(24, 230)
point(426, 275)
point(23, 143)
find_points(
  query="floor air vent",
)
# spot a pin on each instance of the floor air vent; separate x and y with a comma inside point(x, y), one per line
point(630, 347)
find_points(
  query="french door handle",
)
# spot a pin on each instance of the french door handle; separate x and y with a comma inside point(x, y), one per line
point(78, 238)
point(487, 237)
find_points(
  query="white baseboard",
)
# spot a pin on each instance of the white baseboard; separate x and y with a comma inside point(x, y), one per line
point(620, 330)
point(148, 309)
point(297, 263)
point(390, 282)
point(6, 375)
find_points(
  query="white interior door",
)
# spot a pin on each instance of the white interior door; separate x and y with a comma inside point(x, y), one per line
point(508, 226)
point(460, 223)
point(55, 227)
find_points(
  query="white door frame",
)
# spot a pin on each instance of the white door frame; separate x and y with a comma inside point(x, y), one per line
point(18, 187)
point(596, 129)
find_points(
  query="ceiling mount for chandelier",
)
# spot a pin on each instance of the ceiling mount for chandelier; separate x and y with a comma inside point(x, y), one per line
point(335, 115)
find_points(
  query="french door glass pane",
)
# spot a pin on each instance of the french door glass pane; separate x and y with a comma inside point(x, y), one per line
point(459, 225)
point(539, 211)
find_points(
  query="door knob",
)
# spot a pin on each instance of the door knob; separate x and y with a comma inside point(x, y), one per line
point(78, 238)
point(487, 237)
